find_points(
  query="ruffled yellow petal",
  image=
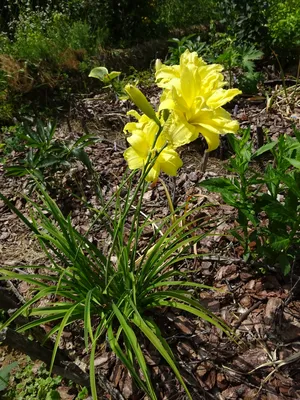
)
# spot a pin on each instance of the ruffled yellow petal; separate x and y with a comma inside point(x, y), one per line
point(153, 174)
point(170, 161)
point(130, 127)
point(191, 59)
point(188, 85)
point(216, 121)
point(167, 73)
point(221, 97)
point(134, 160)
point(167, 104)
point(179, 132)
point(134, 114)
point(212, 139)
point(139, 143)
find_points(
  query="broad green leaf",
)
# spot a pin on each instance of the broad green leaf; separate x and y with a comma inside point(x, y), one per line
point(284, 263)
point(293, 162)
point(113, 75)
point(218, 185)
point(98, 73)
point(280, 243)
point(86, 139)
point(82, 156)
point(48, 161)
point(53, 395)
point(264, 148)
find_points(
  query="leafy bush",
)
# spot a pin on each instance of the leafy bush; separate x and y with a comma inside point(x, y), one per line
point(245, 20)
point(41, 37)
point(284, 26)
point(178, 14)
point(274, 192)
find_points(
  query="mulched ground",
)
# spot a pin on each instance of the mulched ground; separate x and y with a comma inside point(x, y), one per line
point(264, 310)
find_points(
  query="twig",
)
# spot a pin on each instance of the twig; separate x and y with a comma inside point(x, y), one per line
point(245, 315)
point(291, 293)
point(16, 292)
point(204, 162)
point(223, 259)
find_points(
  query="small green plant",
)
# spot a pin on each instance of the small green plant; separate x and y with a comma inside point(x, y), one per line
point(110, 80)
point(238, 61)
point(272, 194)
point(5, 374)
point(31, 384)
point(45, 154)
point(12, 139)
point(179, 46)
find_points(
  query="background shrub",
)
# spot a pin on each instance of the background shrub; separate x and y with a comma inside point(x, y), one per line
point(180, 14)
point(284, 27)
point(246, 20)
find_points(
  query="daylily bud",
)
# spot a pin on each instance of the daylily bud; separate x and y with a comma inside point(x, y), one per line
point(158, 64)
point(141, 102)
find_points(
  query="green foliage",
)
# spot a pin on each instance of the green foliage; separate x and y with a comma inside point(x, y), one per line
point(43, 37)
point(179, 46)
point(179, 14)
point(12, 139)
point(239, 62)
point(274, 192)
point(110, 80)
point(46, 155)
point(28, 384)
point(117, 289)
point(284, 26)
point(245, 20)
point(270, 24)
point(5, 374)
point(249, 81)
point(6, 111)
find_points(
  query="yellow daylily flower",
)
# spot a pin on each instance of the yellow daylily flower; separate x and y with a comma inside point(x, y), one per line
point(194, 91)
point(175, 132)
point(142, 141)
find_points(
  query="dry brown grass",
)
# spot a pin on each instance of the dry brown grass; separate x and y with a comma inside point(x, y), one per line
point(18, 77)
point(70, 59)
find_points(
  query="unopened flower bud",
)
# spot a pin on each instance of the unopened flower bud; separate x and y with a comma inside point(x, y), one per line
point(158, 64)
point(141, 102)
